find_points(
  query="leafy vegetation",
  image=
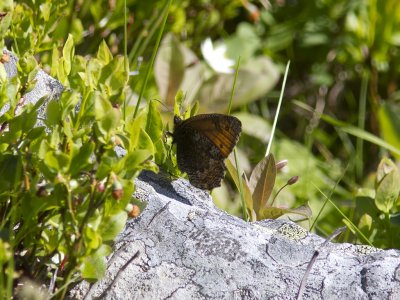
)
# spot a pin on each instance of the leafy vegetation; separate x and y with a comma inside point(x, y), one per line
point(65, 193)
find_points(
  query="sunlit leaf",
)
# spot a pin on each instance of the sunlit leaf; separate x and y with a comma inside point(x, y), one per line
point(104, 53)
point(94, 265)
point(298, 214)
point(68, 54)
point(388, 187)
point(113, 225)
point(262, 181)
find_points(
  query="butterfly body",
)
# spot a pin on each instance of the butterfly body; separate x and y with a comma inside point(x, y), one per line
point(203, 143)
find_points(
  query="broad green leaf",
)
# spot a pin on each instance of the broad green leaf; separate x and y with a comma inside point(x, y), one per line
point(133, 127)
point(104, 54)
point(68, 54)
point(386, 166)
point(298, 214)
point(10, 172)
point(254, 125)
point(61, 74)
point(93, 239)
point(145, 141)
point(93, 71)
point(262, 181)
point(388, 187)
point(53, 116)
point(107, 117)
point(50, 238)
point(132, 162)
point(113, 76)
point(57, 161)
point(45, 9)
point(68, 101)
point(179, 97)
point(271, 212)
point(255, 78)
point(55, 57)
point(365, 224)
point(112, 225)
point(154, 125)
point(244, 42)
point(195, 109)
point(161, 152)
point(232, 171)
point(81, 158)
point(35, 133)
point(94, 265)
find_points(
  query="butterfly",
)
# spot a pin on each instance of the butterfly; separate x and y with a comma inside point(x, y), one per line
point(203, 142)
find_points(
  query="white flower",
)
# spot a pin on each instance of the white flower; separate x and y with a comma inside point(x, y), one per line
point(216, 57)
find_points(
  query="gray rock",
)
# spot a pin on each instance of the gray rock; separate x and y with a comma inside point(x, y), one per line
point(46, 87)
point(183, 247)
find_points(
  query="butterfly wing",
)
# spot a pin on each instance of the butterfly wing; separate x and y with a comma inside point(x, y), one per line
point(203, 142)
point(222, 130)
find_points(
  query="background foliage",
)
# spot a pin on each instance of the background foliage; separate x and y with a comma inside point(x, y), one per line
point(338, 126)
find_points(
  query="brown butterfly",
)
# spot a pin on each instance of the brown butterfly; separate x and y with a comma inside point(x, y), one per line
point(203, 142)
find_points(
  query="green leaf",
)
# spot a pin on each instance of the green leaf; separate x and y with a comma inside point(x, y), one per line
point(298, 214)
point(111, 226)
point(271, 212)
point(248, 198)
point(154, 125)
point(35, 133)
point(179, 97)
point(94, 266)
point(53, 116)
point(57, 161)
point(388, 185)
point(92, 237)
point(246, 190)
point(10, 172)
point(80, 158)
point(145, 142)
point(262, 181)
point(255, 78)
point(134, 128)
point(113, 76)
point(365, 224)
point(68, 54)
point(68, 101)
point(134, 160)
point(107, 117)
point(55, 57)
point(104, 54)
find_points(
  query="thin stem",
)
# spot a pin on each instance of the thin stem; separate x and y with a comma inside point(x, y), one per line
point(234, 85)
point(361, 125)
point(153, 56)
point(125, 55)
point(278, 108)
point(277, 193)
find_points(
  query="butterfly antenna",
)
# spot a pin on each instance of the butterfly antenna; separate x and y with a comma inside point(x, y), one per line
point(163, 104)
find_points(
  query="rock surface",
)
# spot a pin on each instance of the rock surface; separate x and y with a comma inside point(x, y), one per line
point(183, 247)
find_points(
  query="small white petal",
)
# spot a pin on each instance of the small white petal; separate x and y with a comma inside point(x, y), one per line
point(216, 57)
